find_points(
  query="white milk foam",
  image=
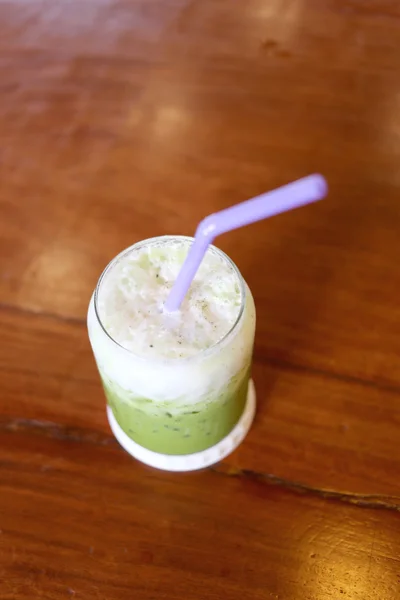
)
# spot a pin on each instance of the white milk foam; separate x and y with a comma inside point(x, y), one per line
point(176, 359)
point(133, 292)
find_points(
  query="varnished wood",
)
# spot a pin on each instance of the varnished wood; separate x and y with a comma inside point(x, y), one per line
point(121, 120)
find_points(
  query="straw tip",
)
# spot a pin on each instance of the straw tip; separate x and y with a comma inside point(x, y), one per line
point(320, 184)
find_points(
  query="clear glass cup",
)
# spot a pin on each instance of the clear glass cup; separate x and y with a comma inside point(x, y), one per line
point(177, 407)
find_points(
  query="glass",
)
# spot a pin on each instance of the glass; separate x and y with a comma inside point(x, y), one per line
point(176, 406)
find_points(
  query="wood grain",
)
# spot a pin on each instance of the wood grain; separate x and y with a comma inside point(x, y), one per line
point(80, 529)
point(124, 119)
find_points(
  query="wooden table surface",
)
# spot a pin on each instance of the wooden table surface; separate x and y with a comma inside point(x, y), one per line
point(124, 119)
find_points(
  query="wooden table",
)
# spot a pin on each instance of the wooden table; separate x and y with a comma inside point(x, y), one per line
point(124, 119)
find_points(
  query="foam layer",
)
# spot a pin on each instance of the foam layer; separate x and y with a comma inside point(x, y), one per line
point(156, 378)
point(133, 291)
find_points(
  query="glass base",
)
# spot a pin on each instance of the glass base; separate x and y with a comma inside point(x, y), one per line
point(198, 460)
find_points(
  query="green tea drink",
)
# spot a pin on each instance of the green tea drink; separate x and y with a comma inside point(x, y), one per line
point(176, 383)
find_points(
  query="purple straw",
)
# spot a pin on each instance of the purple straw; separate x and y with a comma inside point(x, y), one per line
point(303, 191)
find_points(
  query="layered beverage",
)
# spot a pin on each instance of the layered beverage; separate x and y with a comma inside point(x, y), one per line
point(176, 383)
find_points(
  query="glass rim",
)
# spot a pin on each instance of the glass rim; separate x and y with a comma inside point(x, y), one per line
point(171, 360)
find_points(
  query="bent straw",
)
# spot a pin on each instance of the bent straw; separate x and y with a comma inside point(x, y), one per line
point(299, 193)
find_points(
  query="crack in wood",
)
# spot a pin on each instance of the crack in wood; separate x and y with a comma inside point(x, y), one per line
point(361, 500)
point(60, 432)
point(57, 431)
point(30, 312)
point(283, 365)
